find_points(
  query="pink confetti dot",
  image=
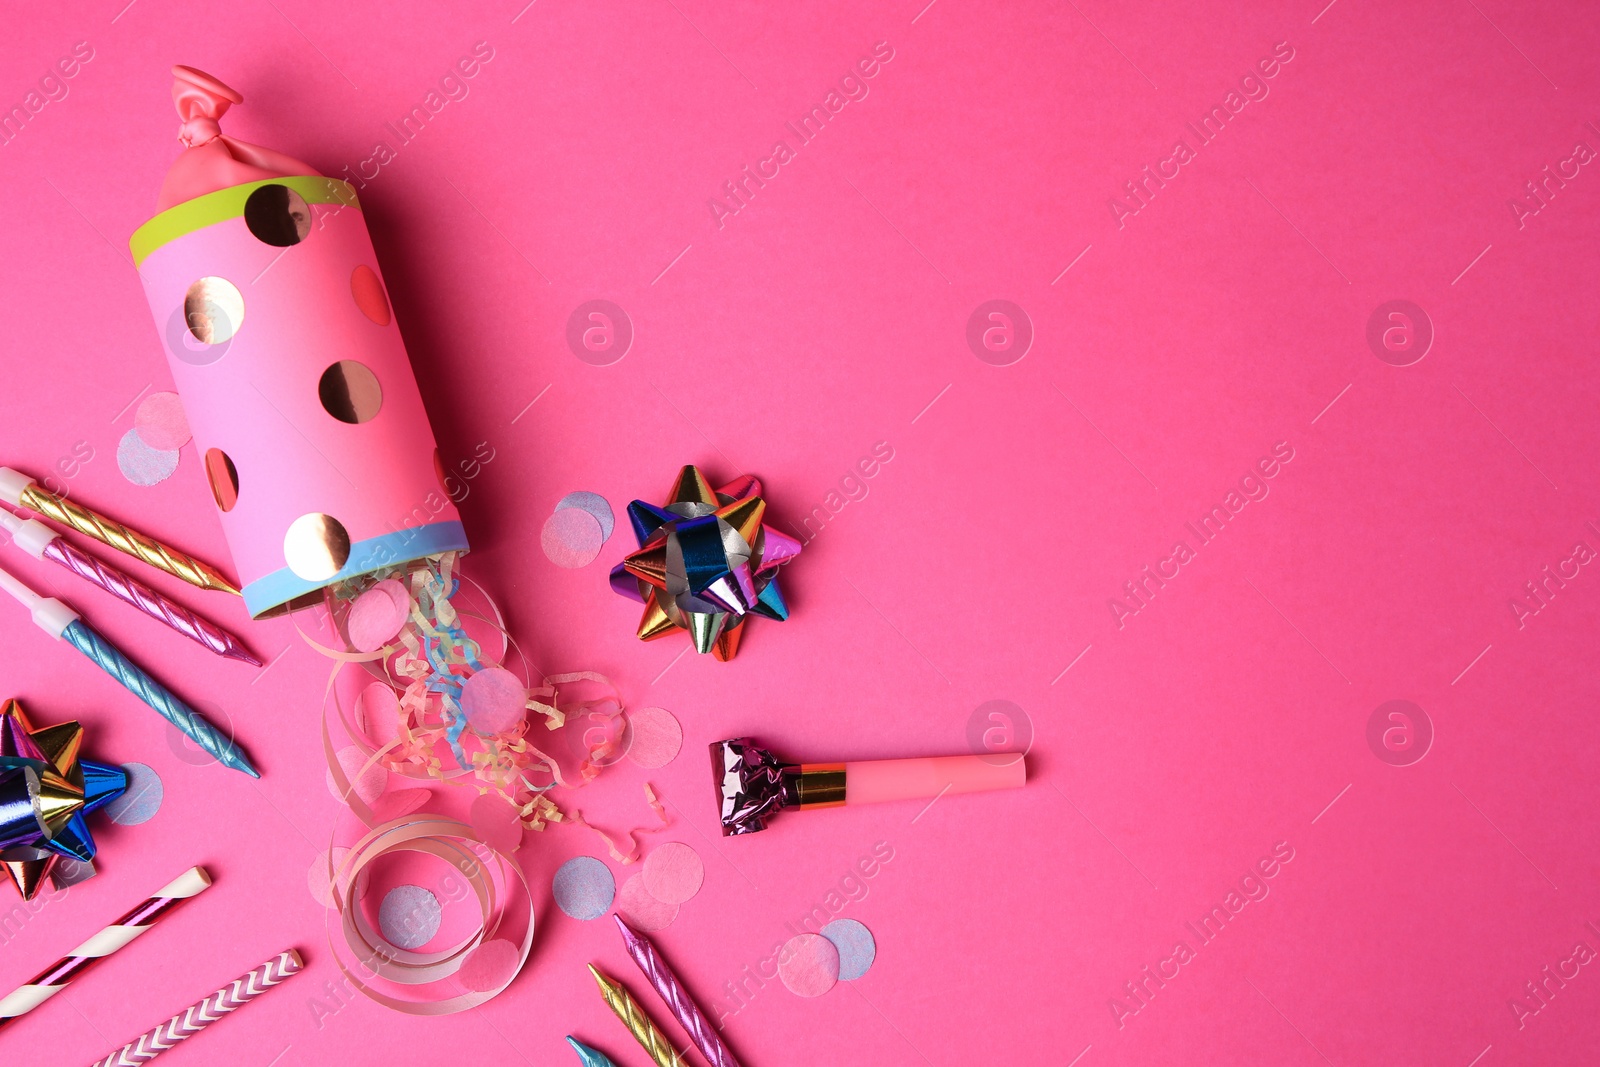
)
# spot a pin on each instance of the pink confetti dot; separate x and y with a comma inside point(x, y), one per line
point(809, 965)
point(657, 737)
point(317, 878)
point(377, 615)
point(377, 713)
point(643, 911)
point(495, 822)
point(161, 422)
point(571, 538)
point(368, 786)
point(673, 873)
point(494, 701)
point(489, 966)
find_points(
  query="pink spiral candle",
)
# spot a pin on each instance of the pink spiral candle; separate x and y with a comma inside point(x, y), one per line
point(41, 542)
point(134, 592)
point(676, 997)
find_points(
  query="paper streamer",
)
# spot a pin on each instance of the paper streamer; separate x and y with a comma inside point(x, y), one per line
point(443, 707)
point(374, 965)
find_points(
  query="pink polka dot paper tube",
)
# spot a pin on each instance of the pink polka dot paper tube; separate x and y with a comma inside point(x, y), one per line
point(268, 299)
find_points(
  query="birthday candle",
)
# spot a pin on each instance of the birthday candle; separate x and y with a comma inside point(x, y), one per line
point(41, 542)
point(652, 1040)
point(676, 997)
point(60, 621)
point(18, 490)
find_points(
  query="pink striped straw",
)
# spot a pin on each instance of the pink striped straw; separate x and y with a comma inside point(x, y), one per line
point(191, 1020)
point(41, 542)
point(54, 978)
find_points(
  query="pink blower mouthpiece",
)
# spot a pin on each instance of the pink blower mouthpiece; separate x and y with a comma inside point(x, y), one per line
point(753, 785)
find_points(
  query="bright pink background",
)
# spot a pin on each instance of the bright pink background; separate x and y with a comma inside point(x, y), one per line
point(824, 317)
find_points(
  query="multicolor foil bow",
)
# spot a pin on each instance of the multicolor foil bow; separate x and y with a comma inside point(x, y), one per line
point(705, 563)
point(46, 789)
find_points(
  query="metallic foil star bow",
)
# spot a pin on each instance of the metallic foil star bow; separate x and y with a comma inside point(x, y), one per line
point(46, 789)
point(705, 563)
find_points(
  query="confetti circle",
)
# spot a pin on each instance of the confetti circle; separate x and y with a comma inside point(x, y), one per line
point(494, 820)
point(143, 465)
point(409, 916)
point(657, 737)
point(377, 615)
point(367, 786)
point(318, 879)
point(161, 422)
point(643, 911)
point(489, 966)
point(583, 888)
point(494, 701)
point(808, 965)
point(856, 947)
point(571, 538)
point(594, 504)
point(376, 712)
point(142, 799)
point(673, 873)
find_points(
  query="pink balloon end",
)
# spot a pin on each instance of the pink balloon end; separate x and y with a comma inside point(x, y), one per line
point(571, 538)
point(495, 821)
point(809, 965)
point(494, 701)
point(489, 966)
point(377, 615)
point(161, 422)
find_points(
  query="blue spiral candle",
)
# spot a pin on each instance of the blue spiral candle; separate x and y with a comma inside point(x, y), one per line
point(153, 693)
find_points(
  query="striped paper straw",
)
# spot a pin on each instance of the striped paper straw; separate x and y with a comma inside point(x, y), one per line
point(191, 1020)
point(53, 979)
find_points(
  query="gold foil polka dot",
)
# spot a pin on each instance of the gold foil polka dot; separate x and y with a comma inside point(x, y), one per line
point(277, 215)
point(316, 547)
point(350, 392)
point(369, 295)
point(224, 478)
point(214, 310)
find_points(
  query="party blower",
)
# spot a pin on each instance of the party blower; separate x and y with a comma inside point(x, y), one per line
point(753, 785)
point(269, 302)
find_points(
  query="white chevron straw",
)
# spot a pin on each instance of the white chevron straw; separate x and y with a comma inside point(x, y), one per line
point(152, 1043)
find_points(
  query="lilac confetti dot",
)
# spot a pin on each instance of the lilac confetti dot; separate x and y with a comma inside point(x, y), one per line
point(856, 947)
point(141, 800)
point(409, 916)
point(141, 464)
point(594, 504)
point(584, 888)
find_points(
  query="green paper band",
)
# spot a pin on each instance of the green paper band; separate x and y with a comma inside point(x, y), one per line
point(224, 204)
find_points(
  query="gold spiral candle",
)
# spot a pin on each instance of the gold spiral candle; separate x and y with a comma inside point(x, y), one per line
point(652, 1040)
point(132, 542)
